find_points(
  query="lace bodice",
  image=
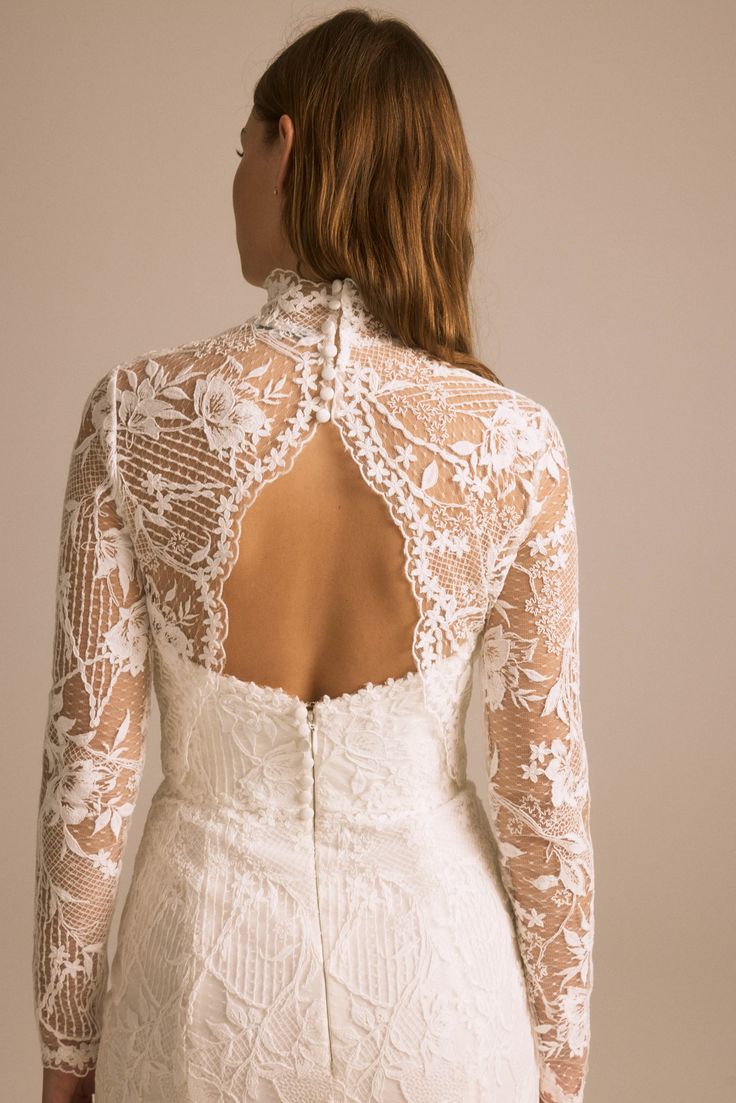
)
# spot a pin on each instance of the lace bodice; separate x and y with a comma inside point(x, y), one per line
point(172, 451)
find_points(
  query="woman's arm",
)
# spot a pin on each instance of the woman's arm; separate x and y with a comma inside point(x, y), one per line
point(98, 709)
point(538, 772)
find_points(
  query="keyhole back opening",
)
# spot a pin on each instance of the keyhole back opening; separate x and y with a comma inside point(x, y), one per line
point(318, 600)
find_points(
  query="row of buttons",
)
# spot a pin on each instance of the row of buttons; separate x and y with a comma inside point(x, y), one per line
point(328, 349)
point(306, 811)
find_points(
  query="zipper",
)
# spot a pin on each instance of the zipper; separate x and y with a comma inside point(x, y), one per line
point(311, 723)
point(311, 726)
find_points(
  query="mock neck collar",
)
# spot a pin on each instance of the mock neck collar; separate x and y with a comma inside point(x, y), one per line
point(301, 305)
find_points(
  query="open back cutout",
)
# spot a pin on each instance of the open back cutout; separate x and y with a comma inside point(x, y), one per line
point(318, 600)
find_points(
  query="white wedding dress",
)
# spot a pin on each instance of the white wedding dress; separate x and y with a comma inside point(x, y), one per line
point(320, 910)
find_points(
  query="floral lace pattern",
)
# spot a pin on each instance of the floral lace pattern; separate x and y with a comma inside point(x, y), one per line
point(172, 450)
point(538, 774)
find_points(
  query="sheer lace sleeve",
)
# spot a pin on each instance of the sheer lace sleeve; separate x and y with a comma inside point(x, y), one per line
point(98, 708)
point(538, 773)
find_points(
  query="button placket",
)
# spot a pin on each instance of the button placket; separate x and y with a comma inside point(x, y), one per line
point(328, 351)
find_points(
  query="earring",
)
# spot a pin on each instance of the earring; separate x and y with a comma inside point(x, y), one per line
point(275, 191)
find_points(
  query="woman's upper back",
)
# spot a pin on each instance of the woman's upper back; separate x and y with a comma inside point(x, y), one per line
point(341, 507)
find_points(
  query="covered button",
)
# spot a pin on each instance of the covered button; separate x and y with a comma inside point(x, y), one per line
point(336, 287)
point(326, 392)
point(323, 414)
point(328, 372)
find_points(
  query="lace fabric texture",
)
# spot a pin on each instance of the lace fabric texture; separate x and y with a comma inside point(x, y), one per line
point(172, 450)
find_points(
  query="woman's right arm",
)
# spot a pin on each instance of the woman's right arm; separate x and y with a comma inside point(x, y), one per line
point(93, 752)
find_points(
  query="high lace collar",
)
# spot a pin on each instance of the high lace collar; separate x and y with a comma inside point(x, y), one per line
point(301, 305)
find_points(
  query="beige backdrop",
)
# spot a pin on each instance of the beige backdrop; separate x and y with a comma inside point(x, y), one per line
point(603, 138)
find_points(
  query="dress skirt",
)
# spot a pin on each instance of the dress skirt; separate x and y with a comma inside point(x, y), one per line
point(315, 916)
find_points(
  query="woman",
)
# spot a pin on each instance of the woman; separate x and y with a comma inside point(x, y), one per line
point(301, 533)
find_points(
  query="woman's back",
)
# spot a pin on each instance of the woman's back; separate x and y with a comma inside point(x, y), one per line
point(340, 518)
point(306, 532)
point(321, 568)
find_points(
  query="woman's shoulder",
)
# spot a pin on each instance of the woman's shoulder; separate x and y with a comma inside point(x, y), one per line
point(157, 367)
point(157, 380)
point(488, 398)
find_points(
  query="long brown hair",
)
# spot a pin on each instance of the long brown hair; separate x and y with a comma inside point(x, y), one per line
point(380, 182)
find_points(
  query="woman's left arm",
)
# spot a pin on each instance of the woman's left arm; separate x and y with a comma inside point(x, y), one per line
point(538, 771)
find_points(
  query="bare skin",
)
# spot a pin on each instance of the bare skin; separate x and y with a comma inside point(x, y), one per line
point(65, 1087)
point(262, 247)
point(258, 225)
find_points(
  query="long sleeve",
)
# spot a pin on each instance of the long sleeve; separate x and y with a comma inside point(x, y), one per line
point(93, 748)
point(538, 771)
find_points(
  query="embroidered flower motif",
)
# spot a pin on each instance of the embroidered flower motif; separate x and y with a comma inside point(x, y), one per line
point(71, 791)
point(510, 441)
point(115, 556)
point(141, 411)
point(405, 455)
point(127, 639)
point(509, 657)
point(227, 418)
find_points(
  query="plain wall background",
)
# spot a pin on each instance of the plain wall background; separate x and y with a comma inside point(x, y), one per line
point(603, 140)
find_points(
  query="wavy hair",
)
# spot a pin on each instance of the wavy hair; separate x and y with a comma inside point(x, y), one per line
point(380, 183)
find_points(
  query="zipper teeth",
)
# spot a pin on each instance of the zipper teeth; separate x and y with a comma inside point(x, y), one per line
point(310, 721)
